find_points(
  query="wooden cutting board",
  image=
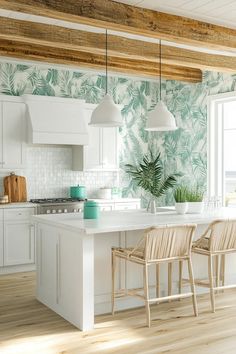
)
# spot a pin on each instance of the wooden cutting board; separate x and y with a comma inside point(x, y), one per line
point(15, 188)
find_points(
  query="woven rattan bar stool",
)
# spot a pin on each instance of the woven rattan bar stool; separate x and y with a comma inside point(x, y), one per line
point(218, 241)
point(164, 244)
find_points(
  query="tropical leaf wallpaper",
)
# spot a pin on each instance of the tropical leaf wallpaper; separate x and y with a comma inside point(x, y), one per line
point(184, 150)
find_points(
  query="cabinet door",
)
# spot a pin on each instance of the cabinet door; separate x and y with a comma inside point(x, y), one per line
point(92, 152)
point(13, 115)
point(19, 240)
point(1, 137)
point(109, 146)
point(1, 244)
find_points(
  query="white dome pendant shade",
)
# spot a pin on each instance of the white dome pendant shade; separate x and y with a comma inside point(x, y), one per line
point(160, 119)
point(106, 114)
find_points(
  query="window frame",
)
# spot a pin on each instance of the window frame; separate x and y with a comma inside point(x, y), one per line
point(215, 137)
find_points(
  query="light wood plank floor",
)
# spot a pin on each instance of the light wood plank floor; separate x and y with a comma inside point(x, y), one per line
point(26, 326)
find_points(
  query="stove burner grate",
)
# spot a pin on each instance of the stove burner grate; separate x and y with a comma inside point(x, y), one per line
point(56, 200)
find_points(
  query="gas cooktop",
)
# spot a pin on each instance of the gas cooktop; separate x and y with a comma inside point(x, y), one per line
point(56, 200)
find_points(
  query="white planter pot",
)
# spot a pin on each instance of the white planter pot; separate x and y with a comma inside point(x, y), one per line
point(181, 208)
point(195, 207)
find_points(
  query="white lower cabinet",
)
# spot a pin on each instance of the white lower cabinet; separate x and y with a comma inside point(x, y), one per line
point(127, 206)
point(106, 207)
point(1, 238)
point(119, 204)
point(18, 243)
point(17, 240)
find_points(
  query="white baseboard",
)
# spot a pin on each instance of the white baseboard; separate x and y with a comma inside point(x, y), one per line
point(17, 269)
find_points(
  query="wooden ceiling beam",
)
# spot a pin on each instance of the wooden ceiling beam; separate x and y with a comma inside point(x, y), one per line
point(80, 59)
point(121, 17)
point(49, 35)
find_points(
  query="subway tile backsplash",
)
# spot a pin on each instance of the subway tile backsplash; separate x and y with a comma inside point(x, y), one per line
point(49, 174)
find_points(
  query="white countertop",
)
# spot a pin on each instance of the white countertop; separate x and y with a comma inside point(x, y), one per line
point(111, 221)
point(100, 201)
point(17, 205)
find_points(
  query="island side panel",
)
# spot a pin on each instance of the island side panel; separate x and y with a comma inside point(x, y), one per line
point(65, 274)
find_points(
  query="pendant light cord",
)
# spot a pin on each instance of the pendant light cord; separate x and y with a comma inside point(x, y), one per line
point(160, 68)
point(106, 63)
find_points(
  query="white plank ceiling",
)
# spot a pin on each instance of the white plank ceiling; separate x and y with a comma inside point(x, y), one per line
point(220, 12)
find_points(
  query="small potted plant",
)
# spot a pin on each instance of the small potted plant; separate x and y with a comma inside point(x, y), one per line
point(194, 198)
point(180, 196)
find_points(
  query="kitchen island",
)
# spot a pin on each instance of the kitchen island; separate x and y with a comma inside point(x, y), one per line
point(74, 259)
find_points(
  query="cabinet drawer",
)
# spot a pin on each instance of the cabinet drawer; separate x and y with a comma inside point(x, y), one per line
point(18, 214)
point(126, 206)
point(106, 207)
point(1, 214)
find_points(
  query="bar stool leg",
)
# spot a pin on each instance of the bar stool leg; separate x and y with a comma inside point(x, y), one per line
point(146, 294)
point(193, 290)
point(158, 282)
point(169, 279)
point(222, 270)
point(211, 281)
point(180, 276)
point(113, 262)
point(217, 263)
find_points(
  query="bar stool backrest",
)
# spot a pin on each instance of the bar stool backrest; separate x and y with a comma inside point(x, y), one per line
point(222, 235)
point(166, 242)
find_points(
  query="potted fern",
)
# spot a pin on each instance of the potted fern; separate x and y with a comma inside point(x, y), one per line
point(195, 200)
point(149, 175)
point(180, 196)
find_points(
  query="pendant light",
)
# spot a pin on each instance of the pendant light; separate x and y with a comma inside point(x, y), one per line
point(106, 114)
point(160, 119)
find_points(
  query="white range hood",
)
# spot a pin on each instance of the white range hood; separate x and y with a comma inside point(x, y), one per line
point(55, 120)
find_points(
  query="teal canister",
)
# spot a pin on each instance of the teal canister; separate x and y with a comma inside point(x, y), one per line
point(78, 192)
point(91, 210)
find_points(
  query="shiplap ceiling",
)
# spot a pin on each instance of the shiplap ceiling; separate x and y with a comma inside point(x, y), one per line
point(220, 12)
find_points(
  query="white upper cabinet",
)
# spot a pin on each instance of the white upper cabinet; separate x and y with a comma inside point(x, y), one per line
point(109, 142)
point(12, 133)
point(92, 152)
point(102, 151)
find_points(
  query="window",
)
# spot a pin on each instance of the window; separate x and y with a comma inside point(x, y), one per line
point(222, 147)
